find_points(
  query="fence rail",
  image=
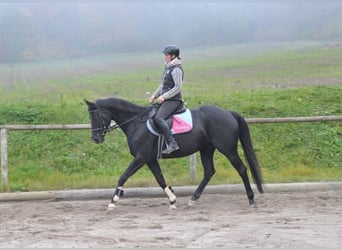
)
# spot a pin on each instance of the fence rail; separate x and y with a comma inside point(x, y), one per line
point(5, 128)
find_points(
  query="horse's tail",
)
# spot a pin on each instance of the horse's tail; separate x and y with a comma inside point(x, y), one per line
point(246, 143)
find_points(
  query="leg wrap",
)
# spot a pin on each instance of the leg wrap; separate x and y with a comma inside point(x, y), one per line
point(118, 193)
point(168, 190)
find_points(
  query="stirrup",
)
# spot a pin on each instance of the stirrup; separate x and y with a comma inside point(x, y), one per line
point(169, 149)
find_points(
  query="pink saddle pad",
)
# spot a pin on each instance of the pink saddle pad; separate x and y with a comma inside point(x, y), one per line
point(182, 123)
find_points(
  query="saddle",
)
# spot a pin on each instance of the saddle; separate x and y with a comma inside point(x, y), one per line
point(179, 122)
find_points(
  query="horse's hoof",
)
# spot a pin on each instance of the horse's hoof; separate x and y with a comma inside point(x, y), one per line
point(252, 204)
point(111, 207)
point(191, 203)
point(172, 206)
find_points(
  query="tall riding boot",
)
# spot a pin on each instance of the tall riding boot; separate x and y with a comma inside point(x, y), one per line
point(171, 144)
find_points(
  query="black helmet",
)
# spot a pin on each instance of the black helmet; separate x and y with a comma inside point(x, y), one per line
point(171, 50)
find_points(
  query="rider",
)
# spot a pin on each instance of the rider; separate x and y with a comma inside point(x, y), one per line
point(169, 94)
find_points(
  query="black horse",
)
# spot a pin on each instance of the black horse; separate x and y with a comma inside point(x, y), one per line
point(213, 129)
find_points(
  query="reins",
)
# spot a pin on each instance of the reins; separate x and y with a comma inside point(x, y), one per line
point(104, 120)
point(116, 126)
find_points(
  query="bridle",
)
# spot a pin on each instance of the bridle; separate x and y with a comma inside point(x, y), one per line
point(106, 127)
point(105, 122)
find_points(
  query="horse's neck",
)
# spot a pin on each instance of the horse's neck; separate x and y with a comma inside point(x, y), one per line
point(122, 110)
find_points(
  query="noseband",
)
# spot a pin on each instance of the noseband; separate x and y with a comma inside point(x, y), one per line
point(97, 114)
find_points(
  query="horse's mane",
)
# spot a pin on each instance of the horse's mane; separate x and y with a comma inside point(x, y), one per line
point(120, 104)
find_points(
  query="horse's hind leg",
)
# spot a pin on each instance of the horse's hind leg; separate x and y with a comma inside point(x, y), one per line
point(209, 171)
point(242, 170)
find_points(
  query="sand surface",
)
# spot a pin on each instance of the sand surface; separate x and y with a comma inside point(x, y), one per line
point(283, 219)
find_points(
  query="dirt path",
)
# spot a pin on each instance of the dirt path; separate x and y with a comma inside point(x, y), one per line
point(301, 219)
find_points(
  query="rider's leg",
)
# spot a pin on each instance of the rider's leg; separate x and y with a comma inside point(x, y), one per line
point(171, 142)
point(164, 111)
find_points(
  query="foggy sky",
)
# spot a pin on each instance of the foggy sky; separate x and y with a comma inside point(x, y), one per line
point(37, 30)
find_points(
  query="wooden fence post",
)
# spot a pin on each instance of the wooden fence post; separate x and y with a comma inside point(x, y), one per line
point(4, 165)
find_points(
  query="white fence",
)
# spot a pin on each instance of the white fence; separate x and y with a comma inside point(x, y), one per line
point(5, 128)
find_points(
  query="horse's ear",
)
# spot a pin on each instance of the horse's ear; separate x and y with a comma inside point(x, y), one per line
point(88, 102)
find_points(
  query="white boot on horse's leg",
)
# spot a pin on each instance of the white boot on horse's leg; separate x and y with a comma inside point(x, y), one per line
point(111, 205)
point(172, 197)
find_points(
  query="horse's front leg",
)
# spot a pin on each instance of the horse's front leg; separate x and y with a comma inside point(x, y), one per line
point(156, 170)
point(133, 167)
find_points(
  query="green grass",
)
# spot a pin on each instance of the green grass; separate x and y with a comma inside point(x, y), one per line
point(276, 80)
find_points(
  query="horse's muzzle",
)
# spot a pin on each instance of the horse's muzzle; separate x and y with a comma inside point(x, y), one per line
point(97, 140)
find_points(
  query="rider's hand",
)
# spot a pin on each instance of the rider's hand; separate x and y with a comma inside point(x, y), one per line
point(151, 99)
point(161, 99)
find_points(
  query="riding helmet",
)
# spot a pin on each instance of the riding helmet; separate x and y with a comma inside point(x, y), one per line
point(171, 50)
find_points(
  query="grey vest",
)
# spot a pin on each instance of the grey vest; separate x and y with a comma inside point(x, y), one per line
point(168, 82)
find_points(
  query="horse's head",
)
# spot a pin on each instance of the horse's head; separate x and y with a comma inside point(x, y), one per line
point(100, 122)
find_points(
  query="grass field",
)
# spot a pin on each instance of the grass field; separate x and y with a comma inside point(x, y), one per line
point(256, 80)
